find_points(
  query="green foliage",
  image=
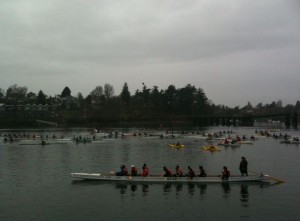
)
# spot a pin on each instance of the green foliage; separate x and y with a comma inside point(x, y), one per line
point(125, 94)
point(41, 98)
point(66, 92)
point(16, 93)
point(148, 105)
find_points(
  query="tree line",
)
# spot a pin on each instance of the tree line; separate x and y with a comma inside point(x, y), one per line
point(155, 105)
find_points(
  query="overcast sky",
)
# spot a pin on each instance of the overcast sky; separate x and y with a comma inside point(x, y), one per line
point(235, 50)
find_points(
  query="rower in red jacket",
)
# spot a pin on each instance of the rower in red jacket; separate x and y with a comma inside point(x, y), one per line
point(145, 171)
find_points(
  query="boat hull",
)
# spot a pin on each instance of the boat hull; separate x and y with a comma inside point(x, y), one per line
point(161, 179)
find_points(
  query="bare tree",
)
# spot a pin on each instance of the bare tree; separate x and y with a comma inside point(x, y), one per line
point(97, 92)
point(108, 91)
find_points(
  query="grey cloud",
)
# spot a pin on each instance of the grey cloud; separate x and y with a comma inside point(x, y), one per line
point(168, 38)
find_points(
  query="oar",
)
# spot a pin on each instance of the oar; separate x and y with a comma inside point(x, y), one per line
point(271, 178)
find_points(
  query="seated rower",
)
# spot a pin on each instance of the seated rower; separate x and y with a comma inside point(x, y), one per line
point(202, 172)
point(123, 172)
point(225, 173)
point(190, 173)
point(145, 171)
point(134, 171)
point(168, 172)
point(179, 172)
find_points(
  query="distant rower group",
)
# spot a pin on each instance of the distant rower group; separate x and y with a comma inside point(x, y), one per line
point(179, 172)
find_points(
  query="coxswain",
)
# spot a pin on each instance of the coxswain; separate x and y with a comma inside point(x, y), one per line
point(244, 166)
point(202, 172)
point(225, 173)
point(145, 171)
point(168, 172)
point(134, 171)
point(190, 172)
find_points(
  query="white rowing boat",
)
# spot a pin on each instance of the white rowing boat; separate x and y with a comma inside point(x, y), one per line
point(161, 179)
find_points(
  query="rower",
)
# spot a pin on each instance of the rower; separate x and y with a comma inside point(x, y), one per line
point(123, 172)
point(179, 172)
point(190, 173)
point(134, 171)
point(225, 173)
point(202, 172)
point(168, 172)
point(145, 171)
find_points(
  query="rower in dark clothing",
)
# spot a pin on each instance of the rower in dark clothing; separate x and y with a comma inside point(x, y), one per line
point(202, 172)
point(123, 172)
point(168, 172)
point(190, 172)
point(134, 171)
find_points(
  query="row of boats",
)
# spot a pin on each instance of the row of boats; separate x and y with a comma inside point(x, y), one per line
point(221, 138)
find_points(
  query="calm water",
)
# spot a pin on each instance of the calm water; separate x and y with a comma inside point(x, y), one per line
point(35, 182)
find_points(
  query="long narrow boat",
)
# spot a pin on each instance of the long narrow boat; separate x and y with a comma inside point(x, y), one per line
point(161, 179)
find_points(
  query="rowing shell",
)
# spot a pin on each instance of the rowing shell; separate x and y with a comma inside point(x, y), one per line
point(177, 146)
point(161, 179)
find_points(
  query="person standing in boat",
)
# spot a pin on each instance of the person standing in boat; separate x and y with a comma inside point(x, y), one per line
point(145, 171)
point(190, 172)
point(123, 172)
point(134, 171)
point(244, 167)
point(202, 172)
point(168, 172)
point(225, 173)
point(179, 172)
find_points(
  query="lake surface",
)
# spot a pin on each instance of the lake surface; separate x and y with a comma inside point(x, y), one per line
point(35, 182)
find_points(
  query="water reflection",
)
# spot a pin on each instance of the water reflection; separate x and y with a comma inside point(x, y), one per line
point(202, 188)
point(226, 190)
point(168, 188)
point(244, 195)
point(123, 187)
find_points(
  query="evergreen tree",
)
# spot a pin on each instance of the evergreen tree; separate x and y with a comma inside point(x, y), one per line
point(125, 94)
point(66, 92)
point(41, 98)
point(2, 94)
point(297, 106)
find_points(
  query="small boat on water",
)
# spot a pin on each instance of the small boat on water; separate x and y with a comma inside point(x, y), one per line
point(161, 179)
point(246, 142)
point(230, 144)
point(177, 145)
point(211, 148)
